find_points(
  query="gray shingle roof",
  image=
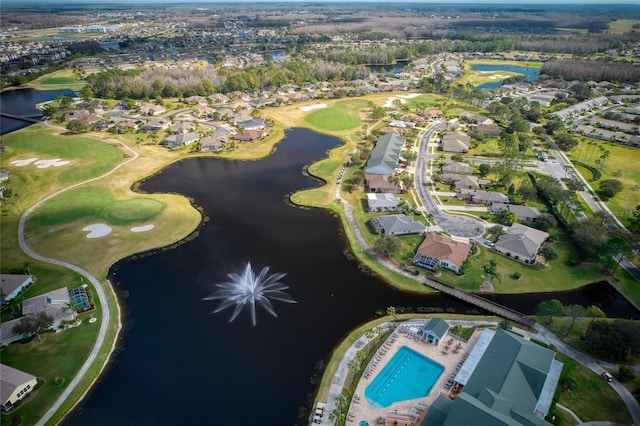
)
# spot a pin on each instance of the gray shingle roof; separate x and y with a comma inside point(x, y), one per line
point(521, 240)
point(397, 224)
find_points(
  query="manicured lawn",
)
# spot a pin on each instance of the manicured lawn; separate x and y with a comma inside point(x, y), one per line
point(343, 115)
point(96, 203)
point(555, 276)
point(592, 399)
point(89, 157)
point(64, 353)
point(62, 79)
point(622, 165)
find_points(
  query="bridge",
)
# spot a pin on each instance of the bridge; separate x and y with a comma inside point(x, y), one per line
point(481, 302)
point(28, 119)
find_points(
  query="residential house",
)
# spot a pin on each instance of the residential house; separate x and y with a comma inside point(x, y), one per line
point(489, 129)
point(249, 135)
point(77, 114)
point(434, 331)
point(183, 127)
point(147, 108)
point(524, 213)
point(180, 139)
point(432, 114)
point(298, 97)
point(462, 181)
point(475, 118)
point(261, 102)
point(396, 224)
point(211, 144)
point(521, 242)
point(239, 117)
point(253, 124)
point(200, 100)
point(458, 168)
point(385, 155)
point(378, 202)
point(14, 386)
point(155, 125)
point(455, 142)
point(11, 285)
point(505, 380)
point(218, 98)
point(477, 196)
point(440, 250)
point(56, 303)
point(402, 124)
point(380, 184)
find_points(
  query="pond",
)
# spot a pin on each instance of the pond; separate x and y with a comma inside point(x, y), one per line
point(531, 73)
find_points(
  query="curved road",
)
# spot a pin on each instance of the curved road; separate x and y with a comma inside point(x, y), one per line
point(100, 291)
point(542, 333)
point(454, 225)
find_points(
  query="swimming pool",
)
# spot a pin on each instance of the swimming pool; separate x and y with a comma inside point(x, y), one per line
point(408, 375)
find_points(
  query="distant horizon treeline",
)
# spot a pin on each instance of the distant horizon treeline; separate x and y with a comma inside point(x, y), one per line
point(596, 70)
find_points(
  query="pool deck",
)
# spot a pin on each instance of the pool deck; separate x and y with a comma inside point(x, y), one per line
point(410, 412)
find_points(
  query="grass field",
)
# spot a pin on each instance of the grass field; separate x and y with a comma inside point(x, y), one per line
point(96, 203)
point(343, 115)
point(89, 158)
point(622, 26)
point(63, 79)
point(622, 165)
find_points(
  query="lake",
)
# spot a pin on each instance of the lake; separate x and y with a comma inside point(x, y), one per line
point(22, 103)
point(531, 73)
point(180, 363)
point(177, 362)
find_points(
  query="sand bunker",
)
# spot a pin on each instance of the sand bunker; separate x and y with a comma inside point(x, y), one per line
point(401, 98)
point(97, 230)
point(144, 228)
point(41, 164)
point(20, 163)
point(311, 107)
point(56, 162)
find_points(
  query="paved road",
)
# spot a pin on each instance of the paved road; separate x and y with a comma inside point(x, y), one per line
point(99, 289)
point(455, 225)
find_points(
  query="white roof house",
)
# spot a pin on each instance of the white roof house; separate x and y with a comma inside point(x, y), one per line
point(382, 201)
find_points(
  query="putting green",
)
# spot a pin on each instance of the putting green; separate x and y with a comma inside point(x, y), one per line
point(137, 210)
point(98, 204)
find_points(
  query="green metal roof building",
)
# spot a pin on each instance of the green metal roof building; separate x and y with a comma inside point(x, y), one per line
point(385, 155)
point(513, 383)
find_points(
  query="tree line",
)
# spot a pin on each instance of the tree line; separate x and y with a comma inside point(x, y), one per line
point(587, 69)
point(168, 83)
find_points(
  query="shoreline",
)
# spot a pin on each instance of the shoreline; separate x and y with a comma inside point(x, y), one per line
point(356, 249)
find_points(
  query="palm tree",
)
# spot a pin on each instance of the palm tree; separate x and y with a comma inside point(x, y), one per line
point(604, 156)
